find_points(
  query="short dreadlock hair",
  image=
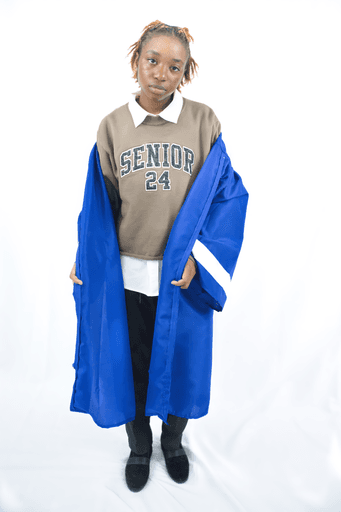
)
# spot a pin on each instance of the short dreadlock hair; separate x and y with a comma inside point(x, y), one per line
point(157, 28)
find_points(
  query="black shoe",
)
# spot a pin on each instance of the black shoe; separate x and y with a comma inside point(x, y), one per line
point(137, 470)
point(177, 464)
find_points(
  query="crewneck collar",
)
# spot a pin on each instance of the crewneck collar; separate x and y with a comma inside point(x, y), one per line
point(170, 113)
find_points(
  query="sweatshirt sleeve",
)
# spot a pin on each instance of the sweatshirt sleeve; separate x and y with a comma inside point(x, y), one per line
point(215, 127)
point(108, 170)
point(108, 166)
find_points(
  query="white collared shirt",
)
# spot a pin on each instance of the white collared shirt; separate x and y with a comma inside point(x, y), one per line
point(141, 275)
point(170, 113)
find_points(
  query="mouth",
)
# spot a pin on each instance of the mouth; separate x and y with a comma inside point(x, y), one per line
point(157, 87)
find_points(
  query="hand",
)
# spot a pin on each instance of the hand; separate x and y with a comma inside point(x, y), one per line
point(73, 275)
point(187, 276)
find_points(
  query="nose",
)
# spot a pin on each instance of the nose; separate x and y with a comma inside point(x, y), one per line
point(160, 72)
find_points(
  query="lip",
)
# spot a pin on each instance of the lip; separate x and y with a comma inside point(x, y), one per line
point(157, 87)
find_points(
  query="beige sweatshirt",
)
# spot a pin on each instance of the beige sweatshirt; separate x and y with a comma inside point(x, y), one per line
point(152, 168)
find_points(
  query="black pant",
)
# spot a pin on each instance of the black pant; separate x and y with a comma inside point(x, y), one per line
point(141, 312)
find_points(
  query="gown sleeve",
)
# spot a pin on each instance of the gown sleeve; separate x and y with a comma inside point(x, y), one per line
point(219, 242)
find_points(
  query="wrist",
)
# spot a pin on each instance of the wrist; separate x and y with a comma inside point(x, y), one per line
point(191, 258)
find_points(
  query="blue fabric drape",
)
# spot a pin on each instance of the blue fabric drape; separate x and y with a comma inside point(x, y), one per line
point(212, 217)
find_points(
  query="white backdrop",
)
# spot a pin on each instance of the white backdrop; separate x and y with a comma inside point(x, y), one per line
point(271, 72)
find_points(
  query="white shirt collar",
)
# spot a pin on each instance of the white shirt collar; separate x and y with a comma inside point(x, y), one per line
point(170, 113)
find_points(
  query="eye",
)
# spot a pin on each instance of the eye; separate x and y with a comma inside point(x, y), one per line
point(176, 68)
point(152, 59)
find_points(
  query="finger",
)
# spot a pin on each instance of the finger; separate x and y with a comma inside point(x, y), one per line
point(178, 283)
point(186, 279)
point(75, 279)
point(184, 283)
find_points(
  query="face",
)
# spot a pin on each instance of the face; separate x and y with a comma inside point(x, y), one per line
point(161, 67)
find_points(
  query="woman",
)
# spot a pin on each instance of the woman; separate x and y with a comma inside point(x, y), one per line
point(151, 150)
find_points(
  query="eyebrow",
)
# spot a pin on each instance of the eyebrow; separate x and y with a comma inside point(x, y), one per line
point(156, 53)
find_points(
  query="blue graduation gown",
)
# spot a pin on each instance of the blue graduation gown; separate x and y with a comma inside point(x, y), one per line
point(210, 224)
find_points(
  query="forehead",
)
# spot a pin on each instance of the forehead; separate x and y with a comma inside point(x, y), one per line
point(164, 45)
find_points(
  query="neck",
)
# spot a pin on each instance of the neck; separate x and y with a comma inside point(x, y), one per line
point(154, 107)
